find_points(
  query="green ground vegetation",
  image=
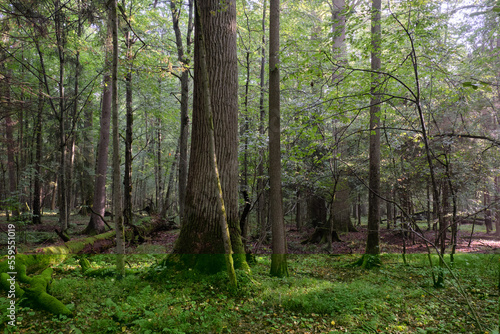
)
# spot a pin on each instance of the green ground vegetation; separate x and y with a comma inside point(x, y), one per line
point(323, 294)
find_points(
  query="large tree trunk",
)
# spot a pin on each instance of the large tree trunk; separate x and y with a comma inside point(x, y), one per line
point(279, 248)
point(373, 238)
point(200, 241)
point(96, 225)
point(341, 208)
point(316, 210)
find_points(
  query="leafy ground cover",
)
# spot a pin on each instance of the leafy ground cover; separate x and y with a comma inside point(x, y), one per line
point(323, 294)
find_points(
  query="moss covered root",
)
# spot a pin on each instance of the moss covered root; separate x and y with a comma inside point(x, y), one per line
point(35, 290)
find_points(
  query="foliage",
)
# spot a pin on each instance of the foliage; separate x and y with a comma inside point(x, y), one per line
point(321, 294)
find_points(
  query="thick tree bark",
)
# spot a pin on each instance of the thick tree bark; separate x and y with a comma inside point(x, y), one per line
point(207, 105)
point(200, 243)
point(279, 248)
point(96, 225)
point(373, 238)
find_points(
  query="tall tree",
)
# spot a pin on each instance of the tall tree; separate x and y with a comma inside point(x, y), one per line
point(37, 210)
point(279, 248)
point(207, 106)
point(96, 224)
point(117, 194)
point(200, 240)
point(373, 238)
point(60, 30)
point(11, 144)
point(127, 179)
point(182, 55)
point(261, 193)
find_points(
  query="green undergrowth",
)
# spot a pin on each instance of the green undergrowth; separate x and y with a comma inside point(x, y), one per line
point(323, 294)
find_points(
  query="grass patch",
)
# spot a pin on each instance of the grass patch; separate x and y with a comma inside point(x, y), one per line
point(323, 294)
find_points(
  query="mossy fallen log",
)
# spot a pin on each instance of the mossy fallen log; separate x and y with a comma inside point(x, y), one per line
point(15, 278)
point(103, 241)
point(76, 246)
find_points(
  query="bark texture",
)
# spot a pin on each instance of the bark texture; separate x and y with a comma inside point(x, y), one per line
point(117, 195)
point(279, 248)
point(373, 238)
point(96, 225)
point(200, 241)
point(184, 103)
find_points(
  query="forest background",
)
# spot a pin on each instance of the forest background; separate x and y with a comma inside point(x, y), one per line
point(411, 138)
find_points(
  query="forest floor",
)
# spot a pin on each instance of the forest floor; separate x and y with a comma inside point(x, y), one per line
point(392, 240)
point(324, 292)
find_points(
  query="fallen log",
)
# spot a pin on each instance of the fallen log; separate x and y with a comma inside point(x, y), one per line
point(103, 241)
point(16, 279)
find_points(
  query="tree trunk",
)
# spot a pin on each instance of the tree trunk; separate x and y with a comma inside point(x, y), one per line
point(167, 203)
point(373, 238)
point(37, 212)
point(158, 169)
point(341, 208)
point(261, 193)
point(200, 242)
point(96, 225)
point(61, 43)
point(207, 106)
point(184, 103)
point(9, 137)
point(298, 215)
point(316, 210)
point(127, 179)
point(497, 200)
point(443, 227)
point(279, 248)
point(117, 195)
point(487, 211)
point(338, 9)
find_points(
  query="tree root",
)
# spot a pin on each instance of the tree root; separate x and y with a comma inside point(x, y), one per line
point(33, 289)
